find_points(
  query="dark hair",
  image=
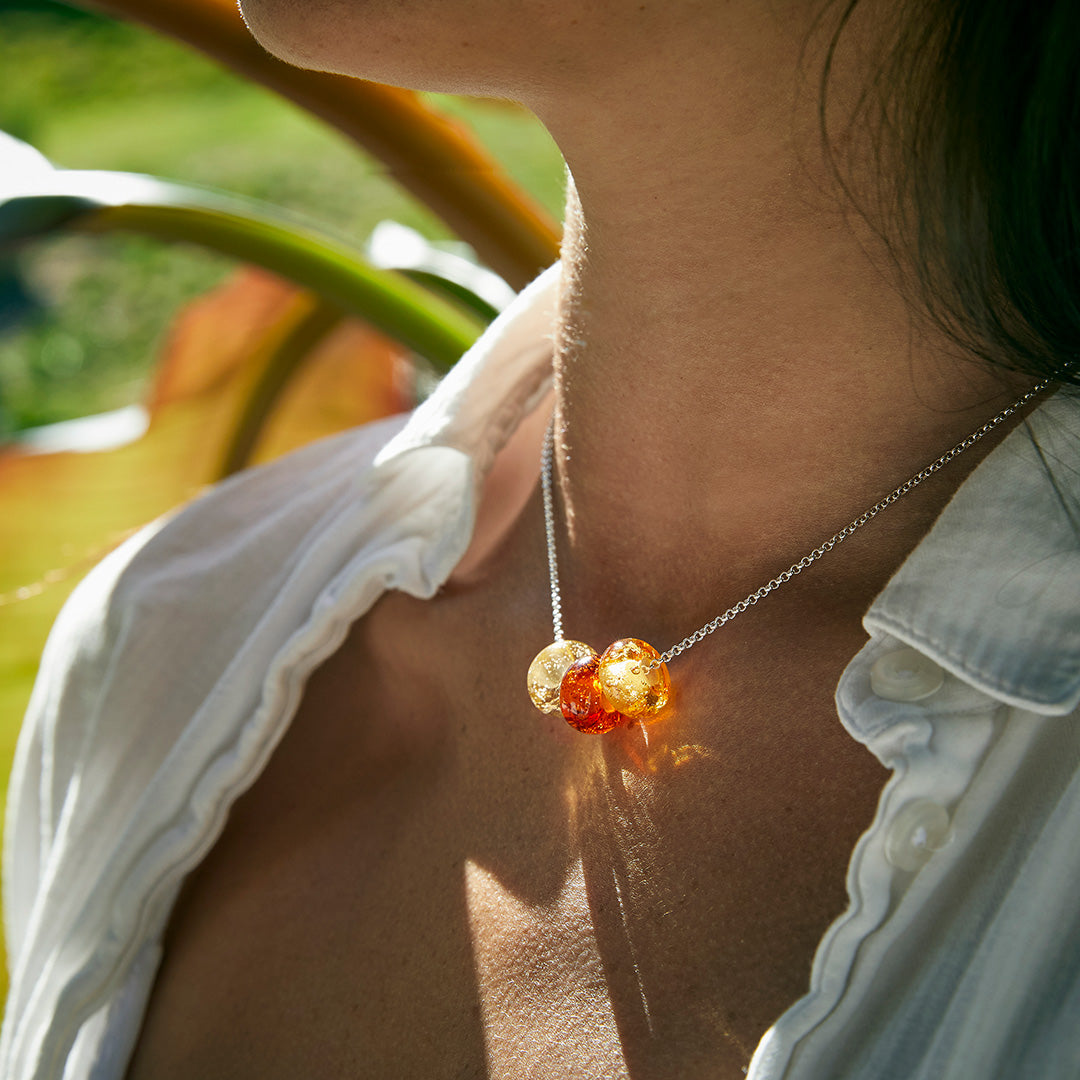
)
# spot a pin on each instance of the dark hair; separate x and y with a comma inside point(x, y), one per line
point(977, 107)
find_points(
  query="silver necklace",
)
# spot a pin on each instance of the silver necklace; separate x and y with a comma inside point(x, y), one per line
point(630, 680)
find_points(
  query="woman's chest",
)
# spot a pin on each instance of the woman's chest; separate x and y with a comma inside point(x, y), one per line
point(468, 901)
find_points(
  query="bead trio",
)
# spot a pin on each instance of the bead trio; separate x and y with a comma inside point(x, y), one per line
point(598, 693)
point(630, 682)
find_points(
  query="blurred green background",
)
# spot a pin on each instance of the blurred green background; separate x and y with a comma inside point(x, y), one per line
point(91, 93)
point(82, 318)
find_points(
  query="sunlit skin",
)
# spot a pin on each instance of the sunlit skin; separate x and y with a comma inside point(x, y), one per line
point(748, 362)
point(434, 879)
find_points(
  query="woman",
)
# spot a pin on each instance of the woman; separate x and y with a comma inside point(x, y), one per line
point(393, 865)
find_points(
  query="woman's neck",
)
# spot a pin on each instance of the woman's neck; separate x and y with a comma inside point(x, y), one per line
point(736, 371)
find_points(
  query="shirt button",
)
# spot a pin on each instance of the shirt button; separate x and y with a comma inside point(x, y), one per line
point(920, 828)
point(905, 675)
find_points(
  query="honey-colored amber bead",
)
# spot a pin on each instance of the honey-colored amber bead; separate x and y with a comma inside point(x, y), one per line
point(547, 670)
point(580, 699)
point(628, 685)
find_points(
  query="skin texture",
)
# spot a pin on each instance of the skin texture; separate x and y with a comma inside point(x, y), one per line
point(724, 312)
point(479, 46)
point(433, 880)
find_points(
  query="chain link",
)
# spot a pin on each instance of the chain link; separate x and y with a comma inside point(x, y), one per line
point(796, 568)
point(549, 524)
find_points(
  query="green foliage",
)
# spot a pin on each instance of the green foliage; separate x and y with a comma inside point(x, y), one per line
point(106, 306)
point(91, 93)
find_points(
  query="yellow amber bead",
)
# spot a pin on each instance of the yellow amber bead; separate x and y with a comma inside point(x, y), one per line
point(547, 670)
point(581, 701)
point(626, 683)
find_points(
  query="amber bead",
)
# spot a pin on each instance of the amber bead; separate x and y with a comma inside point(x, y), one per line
point(580, 699)
point(626, 682)
point(547, 670)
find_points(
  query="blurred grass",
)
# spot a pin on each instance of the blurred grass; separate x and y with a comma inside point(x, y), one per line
point(94, 94)
point(82, 319)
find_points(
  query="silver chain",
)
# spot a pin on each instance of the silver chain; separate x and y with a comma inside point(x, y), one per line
point(549, 526)
point(780, 579)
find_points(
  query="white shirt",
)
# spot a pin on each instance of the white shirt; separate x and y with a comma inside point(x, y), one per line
point(176, 665)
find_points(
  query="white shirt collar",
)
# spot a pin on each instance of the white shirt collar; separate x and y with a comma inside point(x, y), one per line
point(992, 593)
point(498, 381)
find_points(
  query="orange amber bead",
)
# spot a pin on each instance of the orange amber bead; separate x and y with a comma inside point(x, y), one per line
point(628, 685)
point(580, 699)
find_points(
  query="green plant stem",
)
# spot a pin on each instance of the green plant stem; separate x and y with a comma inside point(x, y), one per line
point(100, 202)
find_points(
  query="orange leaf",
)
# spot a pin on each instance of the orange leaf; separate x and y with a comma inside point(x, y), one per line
point(211, 337)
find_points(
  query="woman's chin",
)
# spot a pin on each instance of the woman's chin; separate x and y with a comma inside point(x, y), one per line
point(279, 27)
point(419, 46)
point(314, 35)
